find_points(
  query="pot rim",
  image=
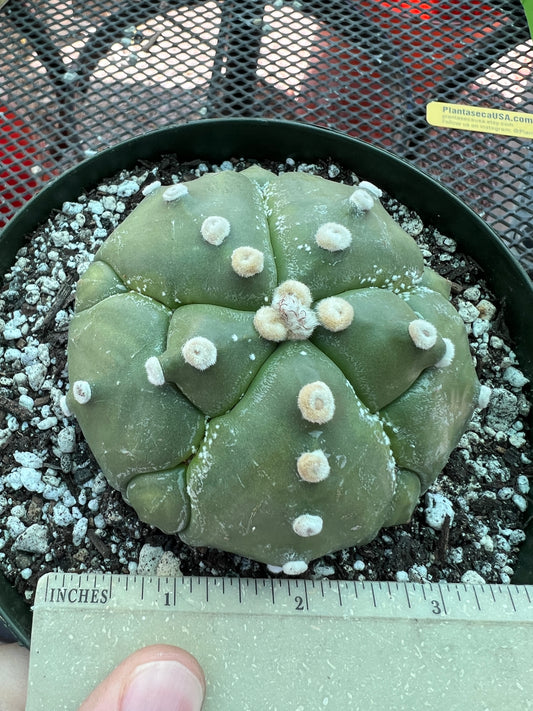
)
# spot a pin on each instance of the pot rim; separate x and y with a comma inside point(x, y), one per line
point(259, 138)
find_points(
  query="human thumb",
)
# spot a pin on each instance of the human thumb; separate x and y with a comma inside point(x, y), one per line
point(159, 678)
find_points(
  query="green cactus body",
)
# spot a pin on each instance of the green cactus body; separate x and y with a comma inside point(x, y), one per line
point(263, 364)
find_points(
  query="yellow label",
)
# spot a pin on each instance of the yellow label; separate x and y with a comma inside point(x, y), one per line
point(480, 118)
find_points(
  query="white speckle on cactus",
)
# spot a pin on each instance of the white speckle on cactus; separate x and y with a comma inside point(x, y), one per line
point(333, 237)
point(371, 188)
point(295, 567)
point(335, 313)
point(423, 334)
point(152, 187)
point(362, 200)
point(174, 192)
point(215, 229)
point(295, 288)
point(269, 325)
point(81, 392)
point(154, 371)
point(484, 396)
point(313, 467)
point(316, 402)
point(449, 354)
point(199, 352)
point(247, 261)
point(307, 525)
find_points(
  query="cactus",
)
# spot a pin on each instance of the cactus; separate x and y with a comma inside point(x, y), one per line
point(263, 364)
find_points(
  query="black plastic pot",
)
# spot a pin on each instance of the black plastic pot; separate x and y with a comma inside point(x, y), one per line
point(217, 140)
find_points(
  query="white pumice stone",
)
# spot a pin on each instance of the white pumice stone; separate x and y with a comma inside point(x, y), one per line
point(199, 352)
point(174, 192)
point(215, 229)
point(154, 371)
point(81, 392)
point(333, 237)
point(423, 334)
point(307, 525)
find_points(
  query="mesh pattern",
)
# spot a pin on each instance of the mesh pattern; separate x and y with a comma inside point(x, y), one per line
point(77, 76)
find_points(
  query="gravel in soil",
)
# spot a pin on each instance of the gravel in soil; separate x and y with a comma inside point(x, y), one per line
point(58, 513)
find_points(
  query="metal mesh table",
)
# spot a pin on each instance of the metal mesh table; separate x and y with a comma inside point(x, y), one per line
point(77, 76)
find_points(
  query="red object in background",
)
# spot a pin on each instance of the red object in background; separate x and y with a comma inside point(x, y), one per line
point(19, 151)
point(426, 37)
point(433, 35)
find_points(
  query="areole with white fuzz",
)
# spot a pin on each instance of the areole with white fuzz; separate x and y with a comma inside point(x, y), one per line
point(449, 355)
point(215, 229)
point(293, 289)
point(199, 352)
point(313, 467)
point(335, 313)
point(154, 371)
point(269, 324)
point(151, 188)
point(307, 525)
point(290, 316)
point(247, 261)
point(81, 392)
point(423, 334)
point(371, 188)
point(333, 237)
point(362, 200)
point(174, 192)
point(316, 402)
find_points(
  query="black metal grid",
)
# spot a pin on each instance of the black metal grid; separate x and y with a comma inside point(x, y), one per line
point(76, 76)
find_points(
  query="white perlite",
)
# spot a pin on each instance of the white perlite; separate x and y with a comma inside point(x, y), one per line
point(33, 540)
point(438, 508)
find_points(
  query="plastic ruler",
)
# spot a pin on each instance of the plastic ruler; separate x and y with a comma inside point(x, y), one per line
point(291, 644)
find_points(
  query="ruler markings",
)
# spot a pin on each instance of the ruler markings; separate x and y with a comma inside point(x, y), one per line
point(317, 597)
point(442, 600)
point(511, 598)
point(477, 599)
point(407, 596)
